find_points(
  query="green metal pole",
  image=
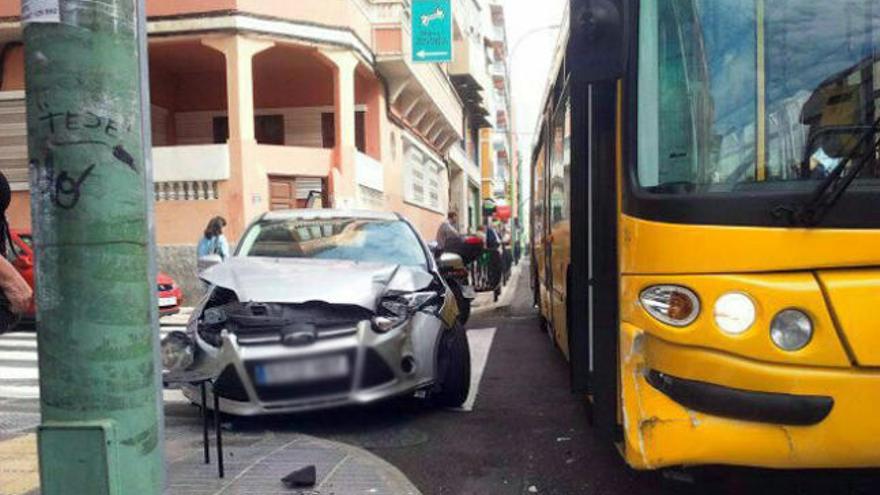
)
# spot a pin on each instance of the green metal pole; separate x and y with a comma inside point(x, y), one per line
point(90, 174)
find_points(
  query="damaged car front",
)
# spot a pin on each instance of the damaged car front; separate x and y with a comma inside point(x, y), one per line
point(319, 310)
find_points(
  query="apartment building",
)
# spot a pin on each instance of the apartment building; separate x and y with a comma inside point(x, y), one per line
point(263, 104)
point(500, 166)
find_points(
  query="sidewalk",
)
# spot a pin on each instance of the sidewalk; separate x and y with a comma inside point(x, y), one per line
point(255, 464)
point(485, 301)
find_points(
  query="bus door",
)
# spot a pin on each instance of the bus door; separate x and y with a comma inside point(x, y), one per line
point(559, 182)
point(593, 296)
point(540, 236)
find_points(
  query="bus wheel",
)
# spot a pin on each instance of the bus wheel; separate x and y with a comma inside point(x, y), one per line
point(453, 369)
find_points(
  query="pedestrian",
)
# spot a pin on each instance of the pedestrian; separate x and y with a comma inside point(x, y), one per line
point(213, 242)
point(493, 246)
point(447, 235)
point(517, 240)
point(16, 293)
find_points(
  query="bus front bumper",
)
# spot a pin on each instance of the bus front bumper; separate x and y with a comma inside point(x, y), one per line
point(691, 406)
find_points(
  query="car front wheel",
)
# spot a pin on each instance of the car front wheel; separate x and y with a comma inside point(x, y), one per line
point(454, 369)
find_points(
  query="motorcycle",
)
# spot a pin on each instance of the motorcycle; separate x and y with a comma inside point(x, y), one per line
point(453, 265)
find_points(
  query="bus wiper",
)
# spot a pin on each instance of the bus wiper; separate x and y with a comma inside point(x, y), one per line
point(828, 193)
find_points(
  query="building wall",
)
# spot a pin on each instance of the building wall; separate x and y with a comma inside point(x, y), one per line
point(13, 70)
point(185, 100)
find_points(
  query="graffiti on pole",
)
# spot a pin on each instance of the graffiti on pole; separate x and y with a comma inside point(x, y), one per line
point(76, 128)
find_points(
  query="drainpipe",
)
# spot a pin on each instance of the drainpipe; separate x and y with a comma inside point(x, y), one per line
point(85, 66)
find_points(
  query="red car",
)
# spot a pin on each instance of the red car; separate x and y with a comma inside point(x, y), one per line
point(22, 257)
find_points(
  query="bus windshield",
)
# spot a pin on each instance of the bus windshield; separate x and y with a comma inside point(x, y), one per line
point(755, 95)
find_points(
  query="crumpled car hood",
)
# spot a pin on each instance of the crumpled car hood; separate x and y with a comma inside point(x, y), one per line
point(297, 281)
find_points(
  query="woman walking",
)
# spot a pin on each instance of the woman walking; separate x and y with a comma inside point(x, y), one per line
point(214, 243)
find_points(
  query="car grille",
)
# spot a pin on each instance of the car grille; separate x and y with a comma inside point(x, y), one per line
point(298, 391)
point(255, 324)
point(273, 336)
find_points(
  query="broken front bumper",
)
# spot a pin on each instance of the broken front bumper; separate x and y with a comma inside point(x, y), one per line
point(692, 406)
point(382, 366)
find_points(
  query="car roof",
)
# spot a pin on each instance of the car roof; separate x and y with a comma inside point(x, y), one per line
point(326, 214)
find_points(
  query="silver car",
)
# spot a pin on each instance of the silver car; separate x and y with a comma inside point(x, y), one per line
point(323, 308)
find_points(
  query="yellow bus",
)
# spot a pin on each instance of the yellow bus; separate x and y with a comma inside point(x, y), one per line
point(706, 228)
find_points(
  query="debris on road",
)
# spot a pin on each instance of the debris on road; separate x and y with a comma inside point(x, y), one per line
point(301, 478)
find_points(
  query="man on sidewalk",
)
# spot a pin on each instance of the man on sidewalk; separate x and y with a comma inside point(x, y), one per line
point(447, 234)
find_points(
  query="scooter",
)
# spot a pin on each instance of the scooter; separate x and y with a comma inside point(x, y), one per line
point(457, 276)
point(454, 270)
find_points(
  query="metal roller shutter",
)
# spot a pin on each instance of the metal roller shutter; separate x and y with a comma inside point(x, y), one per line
point(13, 139)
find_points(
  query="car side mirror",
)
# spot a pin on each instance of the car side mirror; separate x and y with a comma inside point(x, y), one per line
point(434, 247)
point(208, 261)
point(451, 261)
point(598, 47)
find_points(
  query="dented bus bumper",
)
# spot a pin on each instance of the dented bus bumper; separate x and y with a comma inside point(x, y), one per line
point(709, 407)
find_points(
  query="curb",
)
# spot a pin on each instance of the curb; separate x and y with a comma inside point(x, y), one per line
point(506, 294)
point(393, 477)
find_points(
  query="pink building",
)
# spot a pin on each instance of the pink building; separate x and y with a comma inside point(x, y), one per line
point(256, 104)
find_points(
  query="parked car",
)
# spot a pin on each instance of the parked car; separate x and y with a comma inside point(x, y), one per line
point(22, 257)
point(324, 308)
point(170, 295)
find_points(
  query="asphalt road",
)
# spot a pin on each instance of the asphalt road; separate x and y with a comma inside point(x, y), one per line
point(525, 433)
point(528, 434)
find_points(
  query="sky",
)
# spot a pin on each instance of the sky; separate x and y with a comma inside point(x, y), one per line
point(531, 60)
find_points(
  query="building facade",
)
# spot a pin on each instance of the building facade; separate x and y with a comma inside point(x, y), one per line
point(272, 104)
point(501, 164)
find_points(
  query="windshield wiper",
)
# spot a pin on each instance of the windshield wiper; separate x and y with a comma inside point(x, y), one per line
point(828, 193)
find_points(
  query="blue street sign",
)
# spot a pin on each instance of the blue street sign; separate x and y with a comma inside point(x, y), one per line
point(432, 30)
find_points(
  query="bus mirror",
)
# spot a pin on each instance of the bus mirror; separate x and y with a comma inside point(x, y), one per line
point(597, 48)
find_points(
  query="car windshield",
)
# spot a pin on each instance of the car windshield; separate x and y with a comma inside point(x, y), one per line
point(378, 241)
point(741, 95)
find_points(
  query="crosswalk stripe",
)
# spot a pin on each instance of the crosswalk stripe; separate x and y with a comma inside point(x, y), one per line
point(480, 342)
point(18, 345)
point(23, 392)
point(33, 392)
point(19, 336)
point(18, 356)
point(8, 373)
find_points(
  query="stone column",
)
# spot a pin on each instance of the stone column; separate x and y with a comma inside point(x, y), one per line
point(343, 174)
point(247, 187)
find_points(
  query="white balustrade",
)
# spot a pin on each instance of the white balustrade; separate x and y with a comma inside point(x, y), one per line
point(187, 191)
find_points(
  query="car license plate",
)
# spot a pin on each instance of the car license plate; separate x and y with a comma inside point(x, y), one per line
point(167, 301)
point(306, 370)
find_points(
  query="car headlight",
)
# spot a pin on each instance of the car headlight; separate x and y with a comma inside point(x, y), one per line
point(735, 313)
point(396, 309)
point(671, 304)
point(178, 352)
point(791, 330)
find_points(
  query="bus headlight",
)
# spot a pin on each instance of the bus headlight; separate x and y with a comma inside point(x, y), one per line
point(671, 304)
point(791, 330)
point(735, 313)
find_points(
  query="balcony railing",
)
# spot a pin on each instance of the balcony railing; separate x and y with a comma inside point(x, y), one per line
point(189, 173)
point(369, 172)
point(458, 155)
